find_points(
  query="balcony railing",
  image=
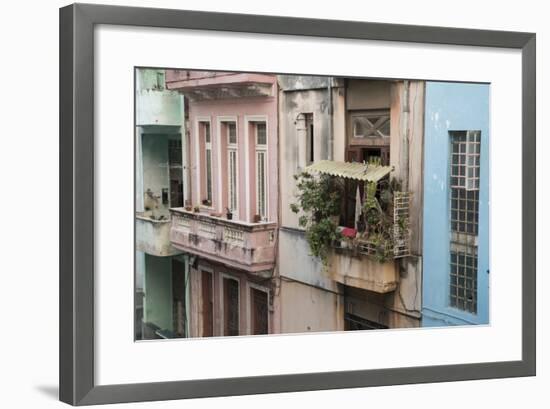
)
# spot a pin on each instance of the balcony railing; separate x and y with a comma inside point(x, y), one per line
point(247, 246)
point(355, 268)
point(153, 236)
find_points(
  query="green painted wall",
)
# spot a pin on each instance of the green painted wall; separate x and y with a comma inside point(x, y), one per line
point(158, 291)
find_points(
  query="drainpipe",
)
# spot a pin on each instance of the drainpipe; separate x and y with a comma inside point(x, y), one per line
point(330, 148)
point(405, 133)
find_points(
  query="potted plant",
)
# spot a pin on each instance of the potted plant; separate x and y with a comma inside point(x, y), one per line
point(257, 218)
point(229, 213)
point(188, 206)
point(207, 202)
point(196, 209)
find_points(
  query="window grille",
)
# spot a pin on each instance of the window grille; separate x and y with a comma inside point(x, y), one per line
point(464, 218)
point(464, 279)
point(231, 133)
point(375, 124)
point(261, 134)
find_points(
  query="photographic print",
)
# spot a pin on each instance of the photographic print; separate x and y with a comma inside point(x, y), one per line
point(277, 203)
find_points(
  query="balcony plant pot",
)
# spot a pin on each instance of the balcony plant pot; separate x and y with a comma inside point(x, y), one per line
point(257, 218)
point(197, 209)
point(228, 213)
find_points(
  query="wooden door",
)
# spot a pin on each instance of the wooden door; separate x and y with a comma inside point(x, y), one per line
point(259, 312)
point(207, 304)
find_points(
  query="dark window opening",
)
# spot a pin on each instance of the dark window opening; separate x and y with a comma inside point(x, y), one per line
point(207, 305)
point(175, 167)
point(179, 285)
point(356, 323)
point(259, 312)
point(310, 141)
point(230, 307)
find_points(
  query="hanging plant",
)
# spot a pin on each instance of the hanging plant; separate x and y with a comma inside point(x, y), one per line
point(319, 200)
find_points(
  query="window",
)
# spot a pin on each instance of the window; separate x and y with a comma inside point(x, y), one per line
point(464, 217)
point(261, 170)
point(310, 140)
point(465, 159)
point(232, 164)
point(207, 167)
point(207, 304)
point(160, 81)
point(258, 312)
point(230, 306)
point(175, 172)
point(371, 124)
point(464, 279)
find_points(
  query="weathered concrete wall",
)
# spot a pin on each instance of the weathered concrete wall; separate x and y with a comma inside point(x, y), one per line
point(295, 261)
point(406, 155)
point(367, 94)
point(293, 104)
point(154, 173)
point(153, 237)
point(156, 105)
point(452, 107)
point(308, 309)
point(302, 82)
point(363, 272)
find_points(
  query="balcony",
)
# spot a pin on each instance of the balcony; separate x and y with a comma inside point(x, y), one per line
point(153, 236)
point(356, 268)
point(156, 107)
point(206, 85)
point(246, 246)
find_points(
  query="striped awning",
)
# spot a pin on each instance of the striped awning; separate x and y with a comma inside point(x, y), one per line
point(350, 170)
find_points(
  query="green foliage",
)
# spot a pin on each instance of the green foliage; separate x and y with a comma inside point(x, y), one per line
point(319, 199)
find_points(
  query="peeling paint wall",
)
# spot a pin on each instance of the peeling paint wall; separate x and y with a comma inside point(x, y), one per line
point(293, 104)
point(450, 107)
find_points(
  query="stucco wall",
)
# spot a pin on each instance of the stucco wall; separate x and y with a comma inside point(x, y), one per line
point(308, 309)
point(243, 110)
point(449, 107)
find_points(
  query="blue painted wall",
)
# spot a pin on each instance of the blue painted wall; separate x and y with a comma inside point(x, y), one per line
point(452, 107)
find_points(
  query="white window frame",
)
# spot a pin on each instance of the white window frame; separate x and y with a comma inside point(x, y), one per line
point(224, 275)
point(200, 120)
point(248, 120)
point(249, 287)
point(224, 120)
point(261, 149)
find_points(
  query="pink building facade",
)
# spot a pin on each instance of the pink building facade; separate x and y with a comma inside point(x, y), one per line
point(230, 218)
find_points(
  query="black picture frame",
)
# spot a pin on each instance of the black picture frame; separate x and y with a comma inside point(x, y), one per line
point(76, 272)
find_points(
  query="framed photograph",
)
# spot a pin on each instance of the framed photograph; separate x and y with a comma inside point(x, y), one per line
point(255, 204)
